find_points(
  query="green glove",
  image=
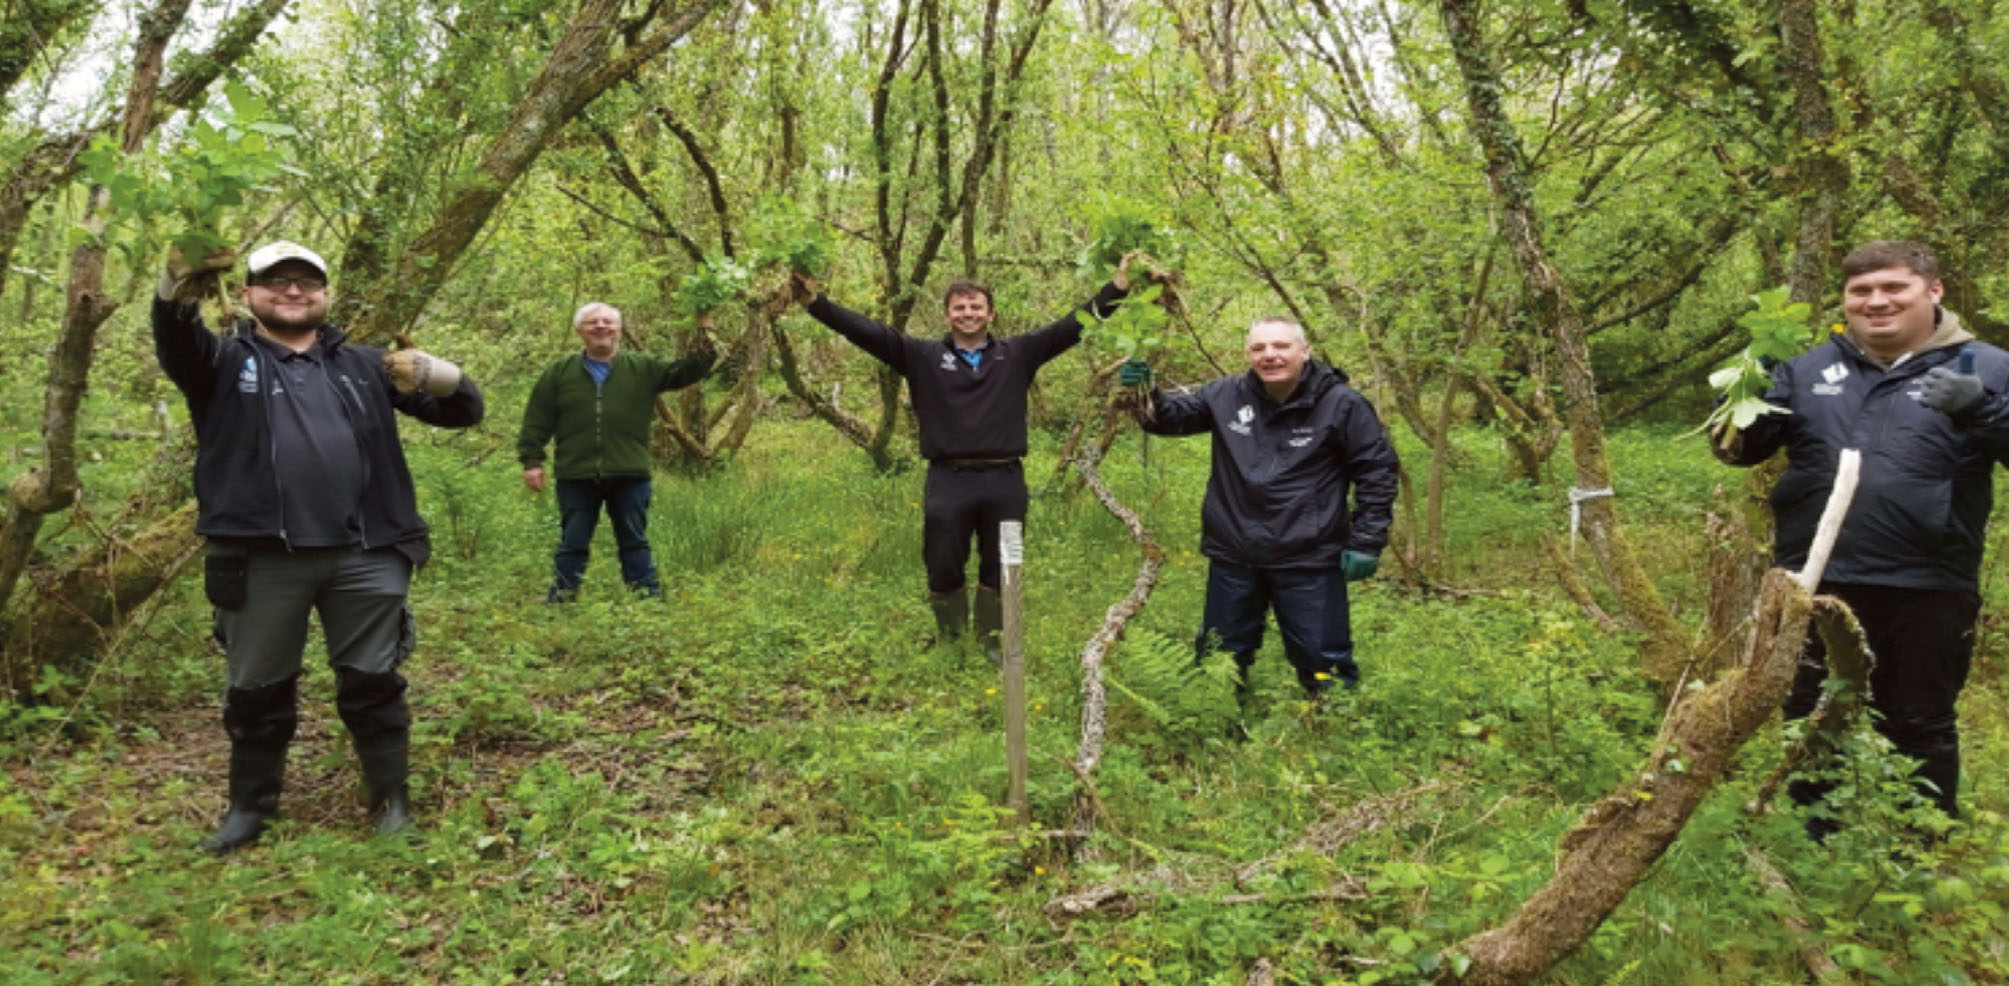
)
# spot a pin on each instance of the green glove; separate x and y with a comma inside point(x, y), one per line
point(1135, 373)
point(1357, 565)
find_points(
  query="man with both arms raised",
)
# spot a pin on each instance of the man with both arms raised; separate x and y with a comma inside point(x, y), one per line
point(969, 392)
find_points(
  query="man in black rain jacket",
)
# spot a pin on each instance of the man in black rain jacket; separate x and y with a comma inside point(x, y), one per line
point(304, 495)
point(1928, 407)
point(1291, 440)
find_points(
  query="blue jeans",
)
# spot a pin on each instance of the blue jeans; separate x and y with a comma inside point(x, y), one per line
point(627, 503)
point(1311, 614)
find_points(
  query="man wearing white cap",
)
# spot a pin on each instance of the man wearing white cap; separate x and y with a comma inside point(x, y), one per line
point(307, 503)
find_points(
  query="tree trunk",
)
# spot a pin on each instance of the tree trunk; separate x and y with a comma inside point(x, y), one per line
point(53, 486)
point(582, 65)
point(1508, 175)
point(1823, 173)
point(53, 161)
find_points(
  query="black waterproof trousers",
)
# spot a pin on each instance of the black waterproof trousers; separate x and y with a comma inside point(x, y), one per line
point(961, 499)
point(1923, 640)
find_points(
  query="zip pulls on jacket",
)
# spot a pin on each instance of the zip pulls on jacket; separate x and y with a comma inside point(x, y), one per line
point(362, 454)
point(268, 372)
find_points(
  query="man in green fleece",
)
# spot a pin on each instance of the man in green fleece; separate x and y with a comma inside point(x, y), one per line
point(597, 405)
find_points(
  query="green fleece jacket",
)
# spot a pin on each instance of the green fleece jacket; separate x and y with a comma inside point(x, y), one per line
point(601, 431)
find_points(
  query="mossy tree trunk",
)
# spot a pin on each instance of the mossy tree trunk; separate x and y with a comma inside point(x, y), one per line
point(29, 636)
point(1508, 174)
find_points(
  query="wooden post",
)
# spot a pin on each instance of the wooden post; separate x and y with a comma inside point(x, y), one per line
point(1011, 553)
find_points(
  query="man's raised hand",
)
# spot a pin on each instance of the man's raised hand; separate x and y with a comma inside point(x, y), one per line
point(187, 282)
point(802, 287)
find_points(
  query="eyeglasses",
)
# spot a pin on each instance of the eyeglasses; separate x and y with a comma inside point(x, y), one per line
point(279, 283)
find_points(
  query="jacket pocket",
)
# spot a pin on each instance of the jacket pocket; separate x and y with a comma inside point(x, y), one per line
point(226, 579)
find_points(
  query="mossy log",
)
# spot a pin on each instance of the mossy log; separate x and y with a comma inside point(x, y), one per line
point(1610, 851)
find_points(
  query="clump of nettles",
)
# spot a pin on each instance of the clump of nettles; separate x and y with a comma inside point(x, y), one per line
point(227, 153)
point(784, 234)
point(1136, 328)
point(782, 238)
point(717, 282)
point(1778, 332)
point(1120, 226)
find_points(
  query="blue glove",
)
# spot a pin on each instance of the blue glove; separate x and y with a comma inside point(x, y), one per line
point(1951, 391)
point(1135, 373)
point(1357, 565)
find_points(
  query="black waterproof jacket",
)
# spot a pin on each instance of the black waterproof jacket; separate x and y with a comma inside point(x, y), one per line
point(1925, 491)
point(1277, 496)
point(227, 381)
point(964, 413)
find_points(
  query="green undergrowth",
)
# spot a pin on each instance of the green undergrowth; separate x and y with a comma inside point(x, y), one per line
point(775, 775)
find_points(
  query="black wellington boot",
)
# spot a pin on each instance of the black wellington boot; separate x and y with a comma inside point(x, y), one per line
point(386, 773)
point(261, 723)
point(952, 614)
point(990, 624)
point(373, 707)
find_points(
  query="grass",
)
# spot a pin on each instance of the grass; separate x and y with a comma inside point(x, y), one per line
point(772, 776)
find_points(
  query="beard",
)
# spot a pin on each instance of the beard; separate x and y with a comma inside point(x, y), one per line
point(300, 321)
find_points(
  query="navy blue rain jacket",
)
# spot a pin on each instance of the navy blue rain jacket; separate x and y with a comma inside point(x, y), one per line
point(1925, 492)
point(226, 381)
point(1277, 495)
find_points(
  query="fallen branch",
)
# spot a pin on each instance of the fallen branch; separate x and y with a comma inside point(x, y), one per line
point(1611, 849)
point(1327, 836)
point(1094, 696)
point(1118, 901)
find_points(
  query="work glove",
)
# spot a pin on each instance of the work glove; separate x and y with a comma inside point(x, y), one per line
point(1135, 373)
point(1357, 565)
point(1951, 391)
point(413, 369)
point(188, 283)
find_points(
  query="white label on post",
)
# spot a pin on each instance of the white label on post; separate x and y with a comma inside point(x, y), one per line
point(1011, 543)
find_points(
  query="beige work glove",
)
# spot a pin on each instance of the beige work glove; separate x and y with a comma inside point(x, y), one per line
point(413, 369)
point(189, 283)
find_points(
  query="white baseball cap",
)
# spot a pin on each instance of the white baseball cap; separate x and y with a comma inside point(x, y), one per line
point(273, 254)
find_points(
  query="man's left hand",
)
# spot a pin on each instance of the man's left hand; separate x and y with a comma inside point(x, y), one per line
point(411, 369)
point(1357, 565)
point(1121, 279)
point(1950, 391)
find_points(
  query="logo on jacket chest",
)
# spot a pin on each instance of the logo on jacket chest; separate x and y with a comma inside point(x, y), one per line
point(949, 362)
point(247, 378)
point(1243, 416)
point(1831, 380)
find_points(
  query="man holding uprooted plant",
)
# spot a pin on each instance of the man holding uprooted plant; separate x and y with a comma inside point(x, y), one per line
point(1291, 442)
point(1929, 409)
point(595, 406)
point(969, 391)
point(304, 495)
